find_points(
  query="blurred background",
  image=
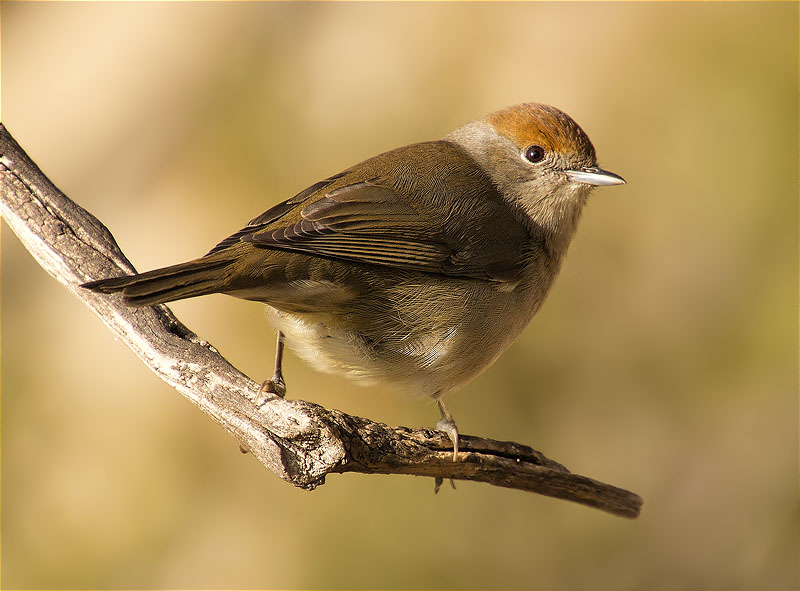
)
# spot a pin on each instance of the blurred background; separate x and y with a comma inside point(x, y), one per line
point(664, 362)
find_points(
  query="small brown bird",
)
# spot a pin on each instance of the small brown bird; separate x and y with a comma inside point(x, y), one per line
point(417, 267)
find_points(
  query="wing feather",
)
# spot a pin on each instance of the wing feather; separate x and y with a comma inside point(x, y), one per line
point(408, 210)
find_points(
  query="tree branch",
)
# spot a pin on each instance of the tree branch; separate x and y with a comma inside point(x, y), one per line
point(300, 441)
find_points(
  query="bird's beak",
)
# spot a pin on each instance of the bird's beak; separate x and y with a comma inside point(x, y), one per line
point(591, 175)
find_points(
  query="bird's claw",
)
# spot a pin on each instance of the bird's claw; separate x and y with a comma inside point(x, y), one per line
point(449, 427)
point(437, 483)
point(275, 386)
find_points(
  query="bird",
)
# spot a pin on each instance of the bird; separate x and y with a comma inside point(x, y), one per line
point(417, 267)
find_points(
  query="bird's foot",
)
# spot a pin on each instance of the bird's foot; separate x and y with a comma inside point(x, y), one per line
point(437, 483)
point(275, 385)
point(448, 425)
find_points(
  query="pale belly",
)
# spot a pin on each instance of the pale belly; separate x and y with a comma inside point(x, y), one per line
point(425, 338)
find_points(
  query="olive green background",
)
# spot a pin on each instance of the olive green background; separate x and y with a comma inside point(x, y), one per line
point(664, 361)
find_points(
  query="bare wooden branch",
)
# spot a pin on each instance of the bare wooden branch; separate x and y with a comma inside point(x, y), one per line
point(300, 441)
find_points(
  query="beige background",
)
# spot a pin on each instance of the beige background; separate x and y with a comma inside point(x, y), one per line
point(665, 360)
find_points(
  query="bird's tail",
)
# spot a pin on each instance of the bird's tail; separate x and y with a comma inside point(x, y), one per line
point(201, 276)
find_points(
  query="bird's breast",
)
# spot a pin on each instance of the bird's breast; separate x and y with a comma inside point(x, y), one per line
point(424, 334)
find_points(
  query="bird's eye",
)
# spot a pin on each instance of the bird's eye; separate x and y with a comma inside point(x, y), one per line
point(534, 153)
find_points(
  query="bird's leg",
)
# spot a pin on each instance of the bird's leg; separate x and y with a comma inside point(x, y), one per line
point(275, 385)
point(448, 425)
